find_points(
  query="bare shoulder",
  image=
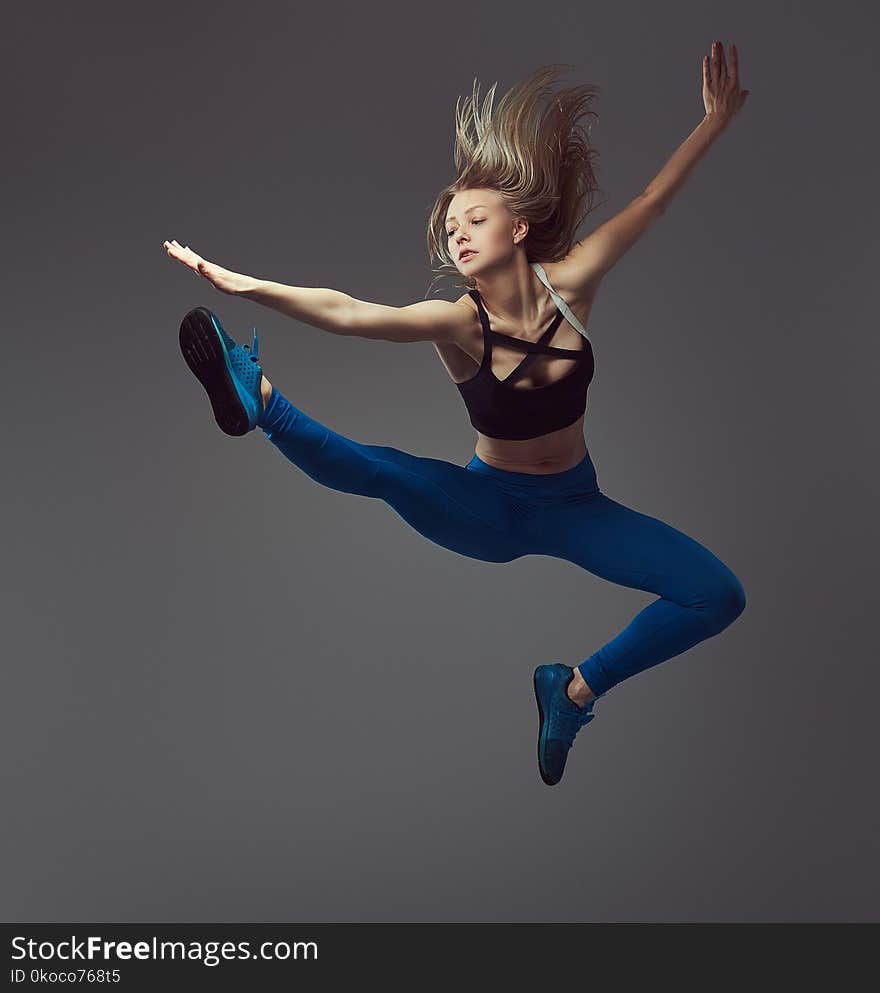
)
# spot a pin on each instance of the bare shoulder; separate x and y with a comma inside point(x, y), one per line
point(453, 321)
point(460, 356)
point(465, 322)
point(470, 329)
point(466, 302)
point(565, 278)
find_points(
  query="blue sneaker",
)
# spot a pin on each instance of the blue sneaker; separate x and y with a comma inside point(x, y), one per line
point(229, 372)
point(559, 719)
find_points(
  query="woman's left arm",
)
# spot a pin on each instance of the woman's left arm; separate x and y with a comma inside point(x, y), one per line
point(722, 99)
point(591, 258)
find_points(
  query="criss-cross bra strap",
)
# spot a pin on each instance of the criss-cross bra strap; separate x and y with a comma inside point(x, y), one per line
point(533, 348)
point(523, 344)
point(560, 303)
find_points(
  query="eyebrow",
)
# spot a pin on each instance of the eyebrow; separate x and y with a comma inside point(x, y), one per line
point(452, 217)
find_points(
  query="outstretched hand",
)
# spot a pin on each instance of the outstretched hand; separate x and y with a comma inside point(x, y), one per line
point(223, 279)
point(722, 96)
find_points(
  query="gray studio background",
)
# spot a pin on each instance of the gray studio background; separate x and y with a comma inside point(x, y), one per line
point(231, 694)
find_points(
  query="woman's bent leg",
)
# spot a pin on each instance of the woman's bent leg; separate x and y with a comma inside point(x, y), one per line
point(699, 596)
point(445, 503)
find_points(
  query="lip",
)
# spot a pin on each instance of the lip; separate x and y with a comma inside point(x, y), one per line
point(466, 255)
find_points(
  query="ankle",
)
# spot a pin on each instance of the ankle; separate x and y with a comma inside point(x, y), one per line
point(578, 691)
point(265, 390)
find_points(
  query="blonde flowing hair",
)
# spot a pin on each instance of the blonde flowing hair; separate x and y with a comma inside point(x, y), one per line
point(535, 153)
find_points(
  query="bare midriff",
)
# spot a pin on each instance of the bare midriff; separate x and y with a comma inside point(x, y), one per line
point(555, 452)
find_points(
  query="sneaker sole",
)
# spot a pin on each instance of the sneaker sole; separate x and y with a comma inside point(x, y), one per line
point(547, 782)
point(205, 353)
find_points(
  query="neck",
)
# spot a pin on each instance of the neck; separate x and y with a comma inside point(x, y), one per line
point(512, 294)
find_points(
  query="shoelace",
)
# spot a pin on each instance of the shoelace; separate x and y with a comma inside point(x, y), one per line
point(252, 353)
point(565, 724)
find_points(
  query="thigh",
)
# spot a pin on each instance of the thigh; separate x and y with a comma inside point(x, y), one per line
point(633, 549)
point(448, 504)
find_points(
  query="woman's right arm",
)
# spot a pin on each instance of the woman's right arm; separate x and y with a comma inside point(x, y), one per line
point(334, 311)
point(340, 313)
point(323, 308)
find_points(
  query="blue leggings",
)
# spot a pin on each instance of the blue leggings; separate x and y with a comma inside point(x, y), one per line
point(497, 516)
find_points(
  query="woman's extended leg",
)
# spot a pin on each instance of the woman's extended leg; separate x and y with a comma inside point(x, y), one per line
point(699, 596)
point(445, 503)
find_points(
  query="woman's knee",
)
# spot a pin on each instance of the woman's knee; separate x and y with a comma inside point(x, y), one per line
point(726, 601)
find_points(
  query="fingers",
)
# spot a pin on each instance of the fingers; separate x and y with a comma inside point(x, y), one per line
point(185, 255)
point(716, 70)
point(719, 66)
point(721, 86)
point(182, 252)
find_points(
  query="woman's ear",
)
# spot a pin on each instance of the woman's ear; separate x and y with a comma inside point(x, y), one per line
point(520, 230)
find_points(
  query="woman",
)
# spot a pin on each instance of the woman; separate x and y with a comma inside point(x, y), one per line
point(516, 346)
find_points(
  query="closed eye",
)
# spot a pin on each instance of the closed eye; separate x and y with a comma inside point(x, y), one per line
point(452, 232)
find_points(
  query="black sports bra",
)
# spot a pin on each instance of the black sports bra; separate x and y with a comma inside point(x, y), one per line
point(498, 409)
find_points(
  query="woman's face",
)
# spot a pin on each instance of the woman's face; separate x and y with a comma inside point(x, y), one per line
point(478, 221)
